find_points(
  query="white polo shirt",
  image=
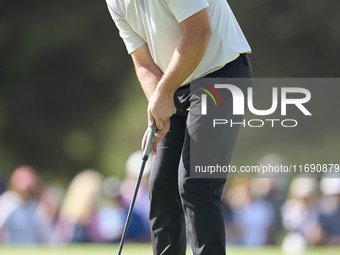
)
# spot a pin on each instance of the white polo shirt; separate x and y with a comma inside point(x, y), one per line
point(157, 23)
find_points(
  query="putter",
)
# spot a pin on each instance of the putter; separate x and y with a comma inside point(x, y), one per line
point(149, 140)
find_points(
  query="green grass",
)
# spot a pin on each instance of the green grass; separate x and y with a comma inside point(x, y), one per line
point(142, 249)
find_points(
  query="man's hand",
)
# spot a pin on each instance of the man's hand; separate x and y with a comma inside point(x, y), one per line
point(161, 108)
point(158, 137)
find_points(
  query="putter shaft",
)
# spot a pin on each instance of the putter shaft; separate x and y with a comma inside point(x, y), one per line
point(146, 153)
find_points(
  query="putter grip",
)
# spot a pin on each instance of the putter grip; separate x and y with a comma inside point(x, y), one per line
point(149, 140)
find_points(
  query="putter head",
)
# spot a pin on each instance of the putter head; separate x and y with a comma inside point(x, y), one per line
point(149, 141)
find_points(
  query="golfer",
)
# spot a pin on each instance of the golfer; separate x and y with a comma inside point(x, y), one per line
point(172, 43)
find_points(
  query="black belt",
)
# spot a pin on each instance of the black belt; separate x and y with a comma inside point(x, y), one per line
point(242, 58)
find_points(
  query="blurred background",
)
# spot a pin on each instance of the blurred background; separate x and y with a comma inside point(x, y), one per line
point(72, 112)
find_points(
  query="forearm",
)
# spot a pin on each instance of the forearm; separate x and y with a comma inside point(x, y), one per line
point(187, 56)
point(149, 76)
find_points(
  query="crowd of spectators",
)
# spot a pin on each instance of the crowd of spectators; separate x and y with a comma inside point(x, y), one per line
point(298, 213)
point(294, 213)
point(91, 210)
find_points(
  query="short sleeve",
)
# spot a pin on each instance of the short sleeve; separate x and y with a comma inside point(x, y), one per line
point(183, 9)
point(131, 39)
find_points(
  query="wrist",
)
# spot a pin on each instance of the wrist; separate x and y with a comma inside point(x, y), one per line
point(164, 90)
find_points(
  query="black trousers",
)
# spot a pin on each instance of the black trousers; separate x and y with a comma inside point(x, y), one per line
point(180, 204)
